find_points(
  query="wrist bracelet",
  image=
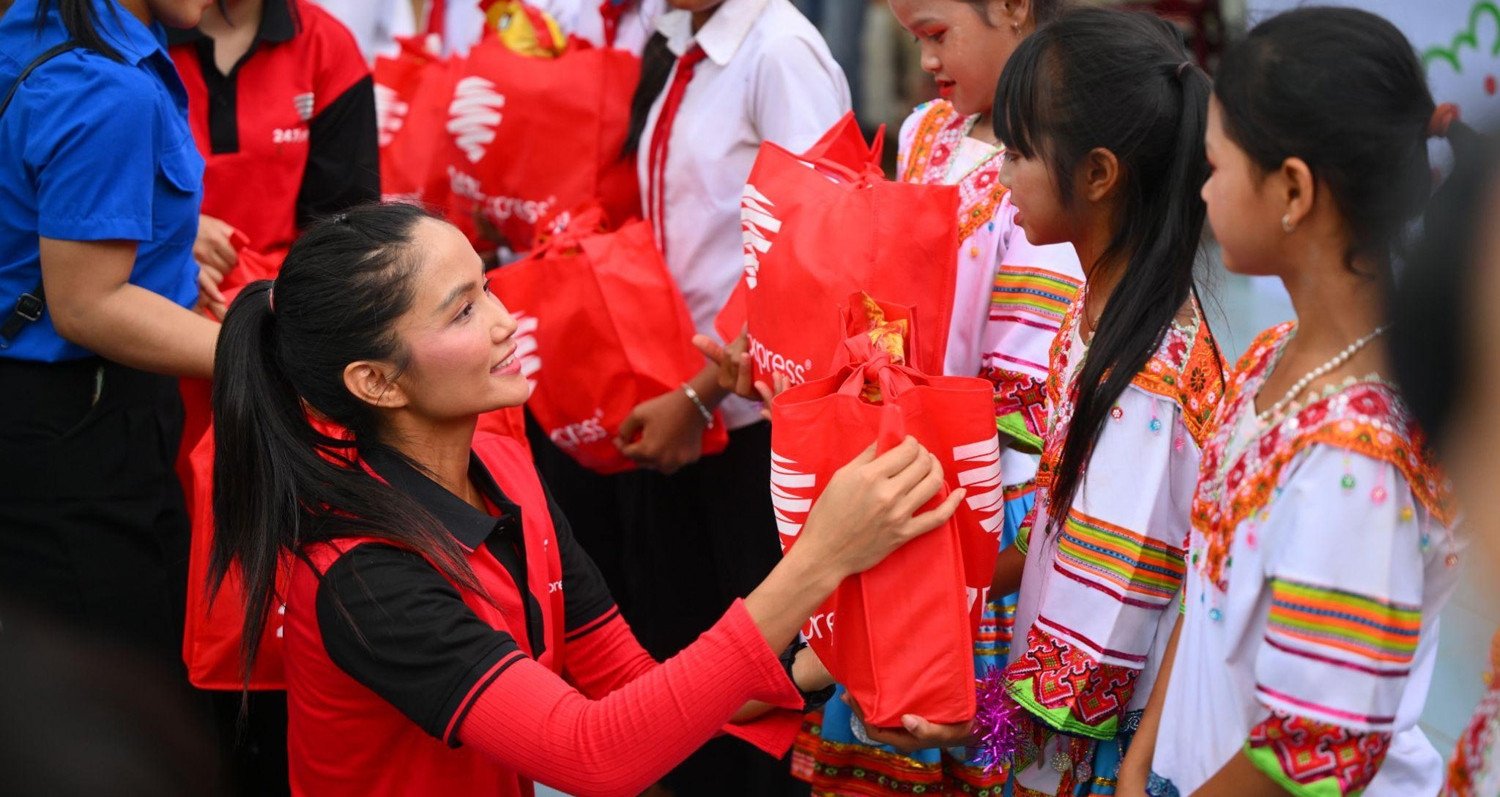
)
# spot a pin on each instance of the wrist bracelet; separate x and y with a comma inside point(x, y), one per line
point(708, 415)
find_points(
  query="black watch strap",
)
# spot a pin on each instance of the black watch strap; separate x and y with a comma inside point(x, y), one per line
point(811, 701)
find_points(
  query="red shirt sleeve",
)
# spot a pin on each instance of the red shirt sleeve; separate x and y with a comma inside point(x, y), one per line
point(605, 655)
point(533, 722)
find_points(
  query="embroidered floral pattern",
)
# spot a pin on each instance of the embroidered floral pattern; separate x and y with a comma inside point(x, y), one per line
point(1068, 689)
point(939, 133)
point(1315, 758)
point(1366, 418)
point(1186, 369)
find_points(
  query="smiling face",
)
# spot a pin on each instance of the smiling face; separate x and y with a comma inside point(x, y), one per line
point(964, 45)
point(1246, 218)
point(458, 338)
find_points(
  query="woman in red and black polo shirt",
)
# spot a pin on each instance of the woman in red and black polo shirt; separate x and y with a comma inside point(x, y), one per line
point(282, 108)
point(444, 633)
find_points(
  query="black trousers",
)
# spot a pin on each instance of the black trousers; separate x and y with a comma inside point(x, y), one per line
point(93, 529)
point(677, 551)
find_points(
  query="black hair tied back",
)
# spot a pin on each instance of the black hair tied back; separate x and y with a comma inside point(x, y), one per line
point(1099, 78)
point(280, 482)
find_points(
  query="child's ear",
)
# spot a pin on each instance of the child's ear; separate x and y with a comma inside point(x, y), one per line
point(1013, 14)
point(1098, 175)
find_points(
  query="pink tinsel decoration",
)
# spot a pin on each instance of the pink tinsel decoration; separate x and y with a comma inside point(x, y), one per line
point(998, 722)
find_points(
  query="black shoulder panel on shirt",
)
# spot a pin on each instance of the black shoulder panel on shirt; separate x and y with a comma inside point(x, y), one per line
point(394, 624)
point(343, 156)
point(586, 595)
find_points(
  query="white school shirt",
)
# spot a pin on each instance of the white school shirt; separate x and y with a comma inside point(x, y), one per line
point(463, 22)
point(374, 23)
point(768, 76)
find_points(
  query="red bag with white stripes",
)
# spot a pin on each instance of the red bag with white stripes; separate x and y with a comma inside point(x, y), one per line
point(602, 328)
point(413, 91)
point(529, 137)
point(900, 636)
point(822, 224)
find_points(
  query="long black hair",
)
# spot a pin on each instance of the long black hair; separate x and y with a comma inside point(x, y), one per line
point(1343, 90)
point(1120, 81)
point(81, 19)
point(280, 483)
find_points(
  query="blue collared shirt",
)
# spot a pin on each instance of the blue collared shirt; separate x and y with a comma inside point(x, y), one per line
point(93, 149)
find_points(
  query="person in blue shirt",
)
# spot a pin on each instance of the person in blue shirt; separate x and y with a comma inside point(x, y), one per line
point(100, 185)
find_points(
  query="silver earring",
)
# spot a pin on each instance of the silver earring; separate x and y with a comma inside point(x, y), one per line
point(1286, 223)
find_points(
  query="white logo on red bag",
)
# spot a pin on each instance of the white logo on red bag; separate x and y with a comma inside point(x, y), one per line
point(791, 495)
point(473, 115)
point(817, 625)
point(585, 432)
point(976, 594)
point(525, 338)
point(498, 209)
point(769, 361)
point(979, 472)
point(757, 226)
point(390, 113)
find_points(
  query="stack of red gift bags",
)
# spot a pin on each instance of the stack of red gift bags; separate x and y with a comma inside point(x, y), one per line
point(512, 133)
point(817, 228)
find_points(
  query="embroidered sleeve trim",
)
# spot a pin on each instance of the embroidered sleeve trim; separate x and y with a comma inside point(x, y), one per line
point(1312, 618)
point(1315, 759)
point(1131, 567)
point(1067, 689)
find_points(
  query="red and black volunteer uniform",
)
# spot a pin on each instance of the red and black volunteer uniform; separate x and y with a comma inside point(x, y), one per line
point(289, 134)
point(403, 683)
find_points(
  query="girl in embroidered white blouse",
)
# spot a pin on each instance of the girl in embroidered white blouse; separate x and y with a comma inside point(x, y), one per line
point(1322, 547)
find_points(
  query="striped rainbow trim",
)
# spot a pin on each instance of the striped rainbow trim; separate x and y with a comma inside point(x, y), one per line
point(1329, 618)
point(1032, 290)
point(1136, 569)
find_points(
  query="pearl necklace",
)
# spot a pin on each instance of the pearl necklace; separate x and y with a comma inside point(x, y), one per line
point(1317, 373)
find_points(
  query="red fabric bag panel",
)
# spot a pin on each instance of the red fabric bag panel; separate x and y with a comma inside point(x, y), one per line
point(529, 137)
point(825, 224)
point(900, 635)
point(602, 328)
point(412, 93)
point(212, 634)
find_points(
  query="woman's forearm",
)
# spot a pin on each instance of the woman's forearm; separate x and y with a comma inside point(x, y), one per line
point(92, 304)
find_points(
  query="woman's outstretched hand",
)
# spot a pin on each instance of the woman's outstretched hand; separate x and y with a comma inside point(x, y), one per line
point(869, 508)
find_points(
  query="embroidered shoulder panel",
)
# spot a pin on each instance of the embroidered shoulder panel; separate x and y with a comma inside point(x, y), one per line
point(1366, 418)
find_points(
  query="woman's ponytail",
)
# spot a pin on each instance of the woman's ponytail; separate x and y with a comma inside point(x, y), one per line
point(263, 446)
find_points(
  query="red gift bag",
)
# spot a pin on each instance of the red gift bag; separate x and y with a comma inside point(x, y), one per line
point(603, 328)
point(196, 411)
point(900, 635)
point(212, 634)
point(822, 225)
point(412, 93)
point(528, 137)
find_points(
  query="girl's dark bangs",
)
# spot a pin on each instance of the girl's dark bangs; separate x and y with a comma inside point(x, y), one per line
point(1018, 110)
